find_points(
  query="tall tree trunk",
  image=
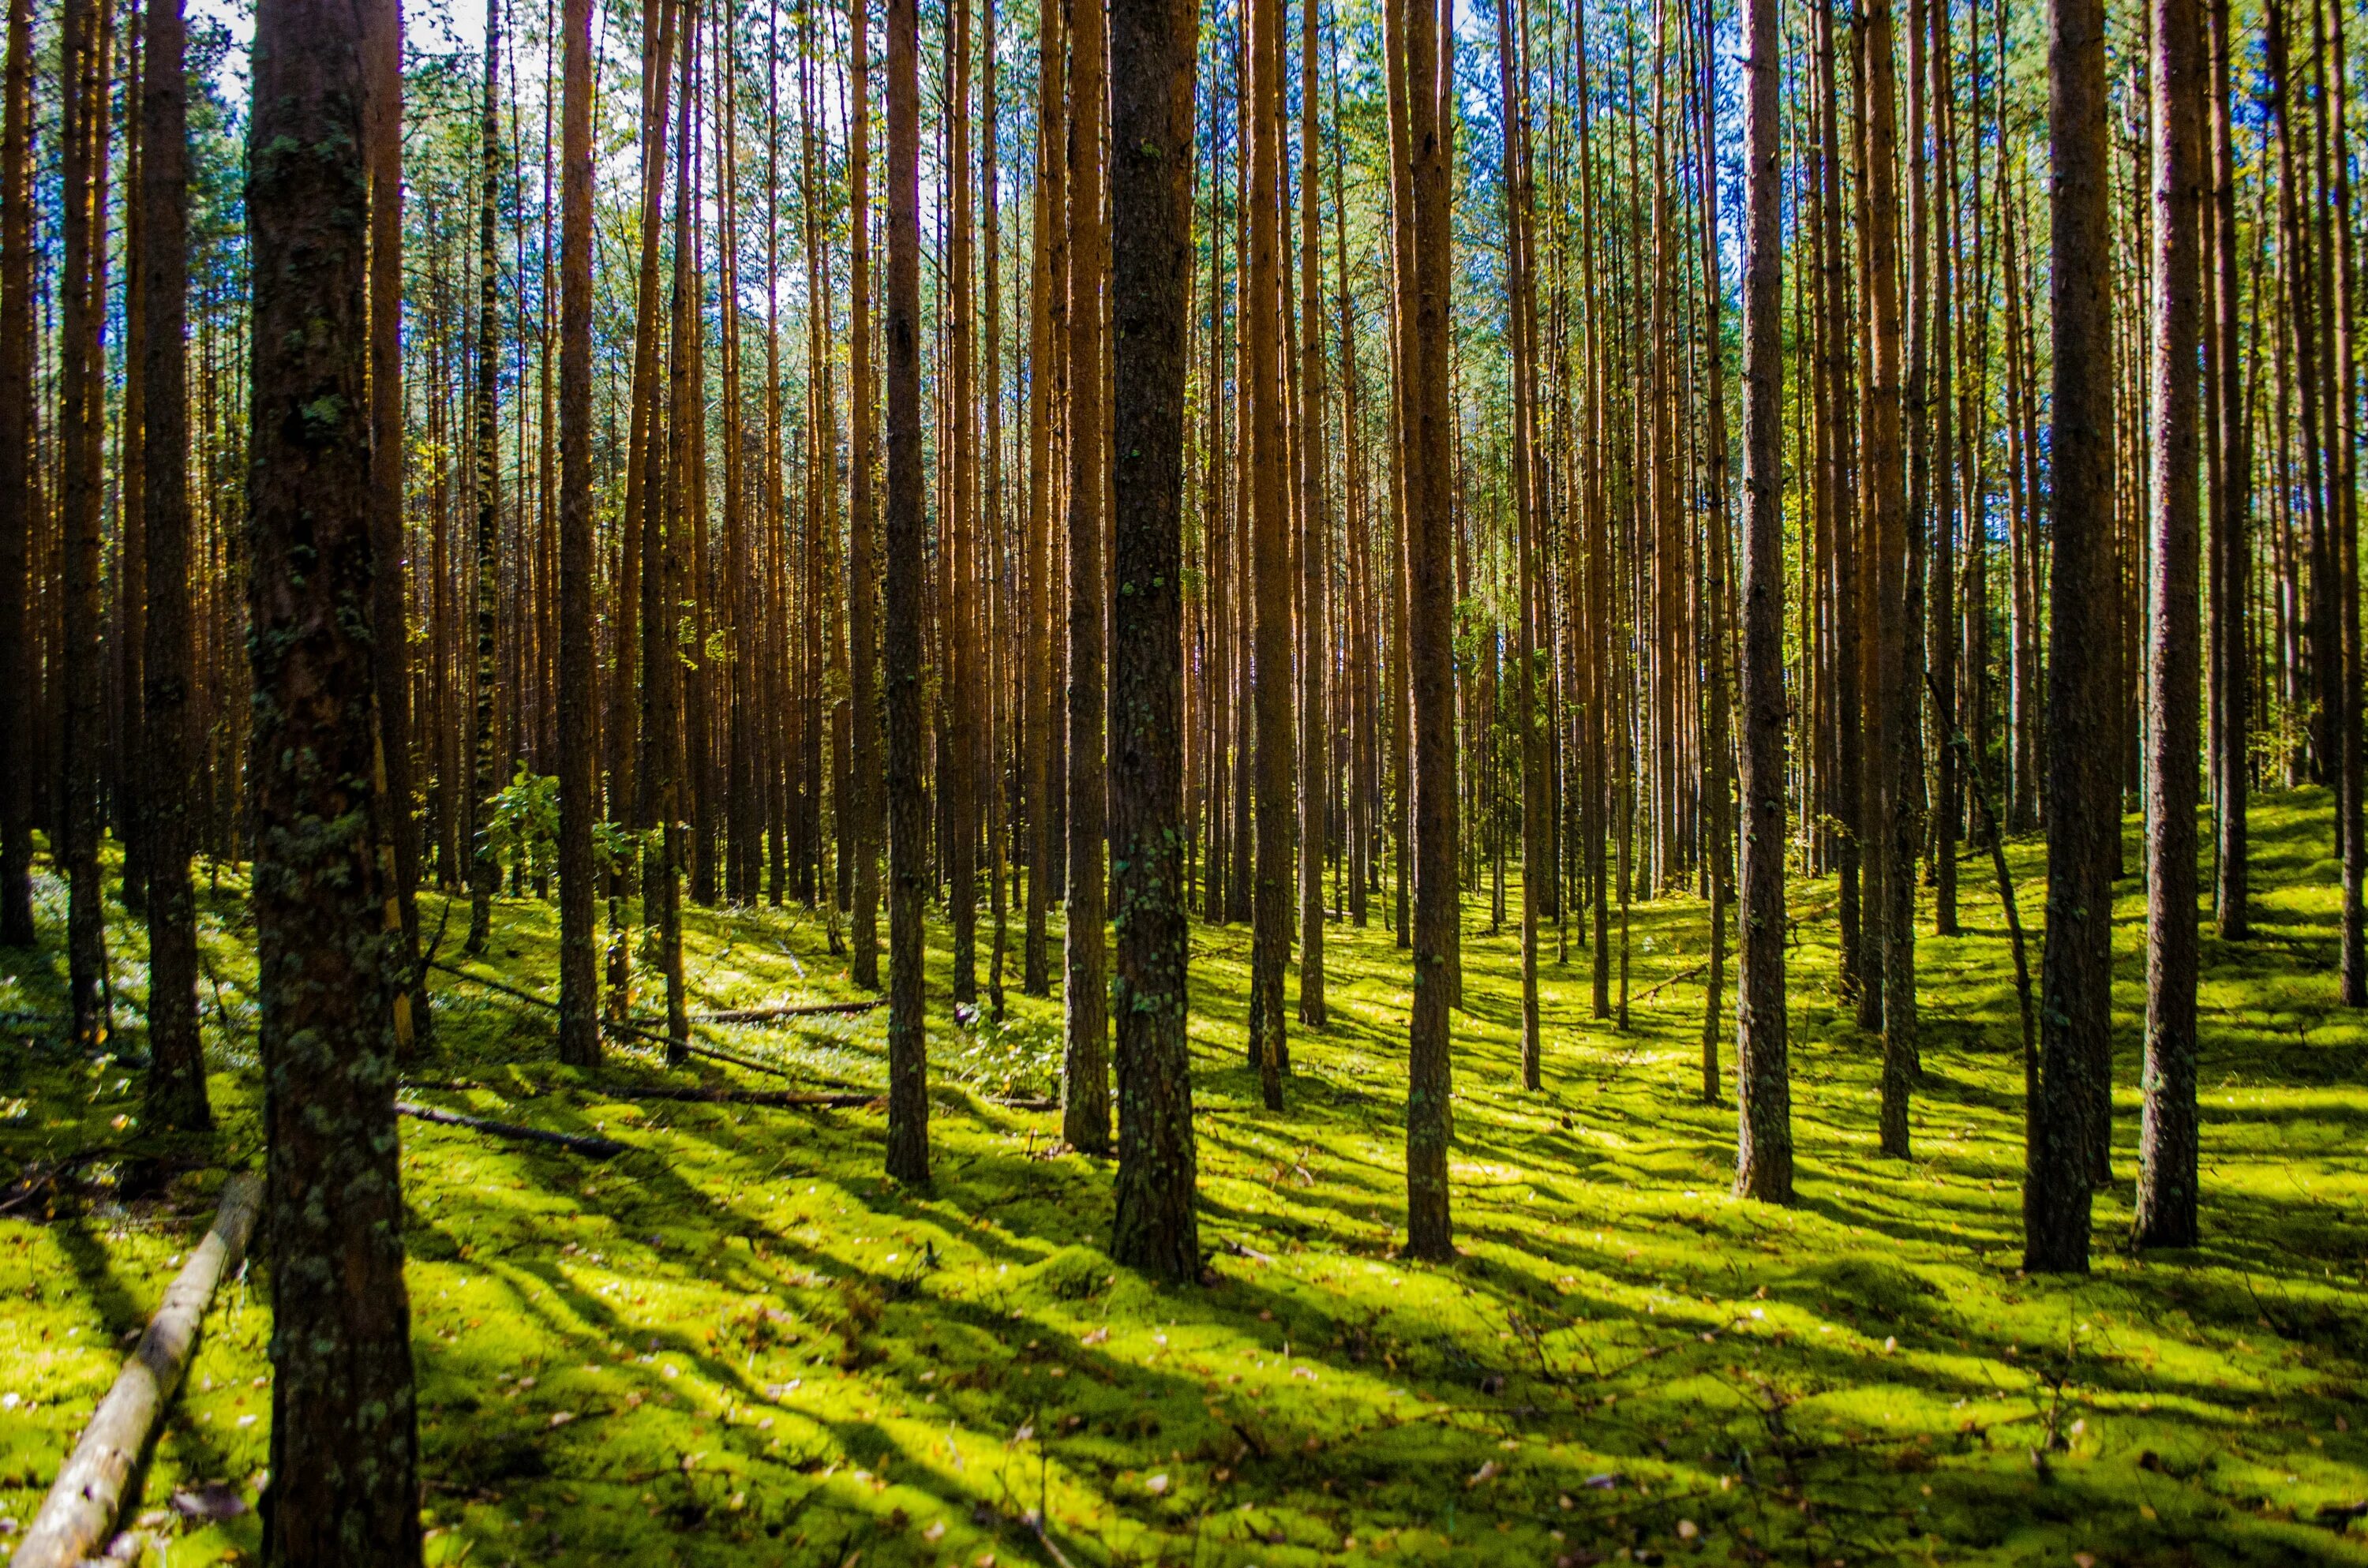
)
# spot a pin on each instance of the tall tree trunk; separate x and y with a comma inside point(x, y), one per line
point(1262, 364)
point(1315, 552)
point(81, 404)
point(390, 609)
point(959, 766)
point(1152, 41)
point(1084, 1077)
point(2231, 546)
point(579, 776)
point(484, 866)
point(344, 1436)
point(17, 706)
point(1522, 316)
point(862, 563)
point(1890, 709)
point(2083, 796)
point(2168, 1141)
point(908, 807)
point(1431, 632)
point(1763, 1078)
point(644, 434)
point(176, 1077)
point(1048, 301)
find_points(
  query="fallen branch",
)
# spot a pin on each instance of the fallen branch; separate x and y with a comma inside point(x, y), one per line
point(1652, 990)
point(772, 1014)
point(88, 1492)
point(574, 1143)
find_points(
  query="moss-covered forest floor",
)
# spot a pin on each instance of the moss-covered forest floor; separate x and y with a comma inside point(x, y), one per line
point(737, 1343)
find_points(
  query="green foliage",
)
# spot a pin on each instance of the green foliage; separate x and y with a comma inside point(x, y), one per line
point(523, 828)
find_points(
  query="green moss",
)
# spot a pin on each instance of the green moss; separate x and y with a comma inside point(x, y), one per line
point(738, 1344)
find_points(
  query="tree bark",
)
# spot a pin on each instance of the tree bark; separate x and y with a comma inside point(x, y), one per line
point(344, 1439)
point(579, 673)
point(2083, 803)
point(1314, 574)
point(390, 612)
point(1152, 58)
point(1048, 294)
point(908, 807)
point(16, 514)
point(1262, 365)
point(81, 414)
point(484, 866)
point(1763, 1079)
point(1084, 1077)
point(1430, 632)
point(176, 1076)
point(2231, 546)
point(2168, 1141)
point(862, 562)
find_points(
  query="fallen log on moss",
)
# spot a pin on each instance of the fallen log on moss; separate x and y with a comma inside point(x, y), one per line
point(88, 1492)
point(574, 1143)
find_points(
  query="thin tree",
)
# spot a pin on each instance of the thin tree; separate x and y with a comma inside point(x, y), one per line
point(959, 769)
point(1270, 553)
point(1763, 1077)
point(176, 1076)
point(862, 555)
point(1315, 549)
point(16, 475)
point(579, 778)
point(1085, 1072)
point(344, 1434)
point(2167, 1139)
point(1047, 287)
point(908, 807)
point(2231, 545)
point(81, 404)
point(1430, 578)
point(1891, 708)
point(389, 612)
point(485, 864)
point(2083, 807)
point(1155, 1228)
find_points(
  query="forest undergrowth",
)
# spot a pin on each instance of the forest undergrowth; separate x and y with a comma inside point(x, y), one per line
point(736, 1343)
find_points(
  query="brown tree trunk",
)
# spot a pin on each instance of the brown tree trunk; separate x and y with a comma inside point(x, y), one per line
point(81, 404)
point(1890, 710)
point(1262, 366)
point(1314, 554)
point(176, 1079)
point(959, 766)
point(862, 563)
point(2083, 791)
point(17, 706)
point(1763, 1079)
point(485, 868)
point(579, 673)
point(1430, 630)
point(2231, 543)
point(1085, 1075)
point(2168, 1140)
point(1047, 286)
point(908, 806)
point(1152, 41)
point(344, 1439)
